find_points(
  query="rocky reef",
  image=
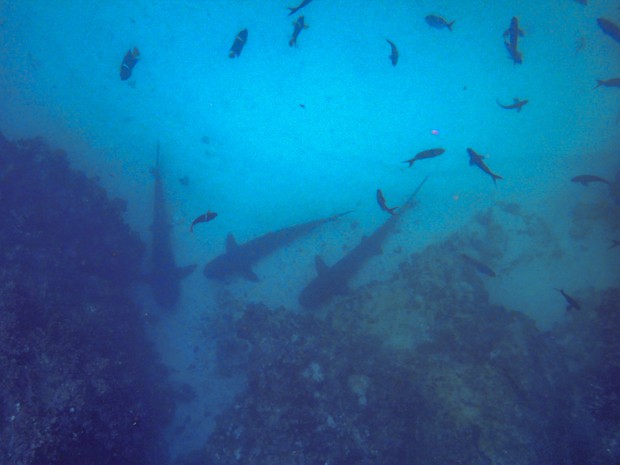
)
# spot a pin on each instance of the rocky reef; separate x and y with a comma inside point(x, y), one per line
point(80, 382)
point(420, 369)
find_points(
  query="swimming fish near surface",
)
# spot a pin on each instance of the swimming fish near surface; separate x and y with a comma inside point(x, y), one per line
point(295, 9)
point(431, 153)
point(299, 26)
point(610, 28)
point(438, 22)
point(478, 160)
point(479, 266)
point(615, 82)
point(382, 204)
point(238, 44)
point(204, 218)
point(394, 55)
point(571, 303)
point(586, 179)
point(129, 61)
point(517, 105)
point(513, 33)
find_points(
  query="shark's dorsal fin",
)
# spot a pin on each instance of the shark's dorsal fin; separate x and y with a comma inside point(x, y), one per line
point(185, 271)
point(231, 243)
point(320, 265)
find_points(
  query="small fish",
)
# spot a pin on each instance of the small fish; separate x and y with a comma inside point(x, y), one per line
point(204, 218)
point(431, 153)
point(238, 44)
point(299, 26)
point(614, 243)
point(615, 82)
point(394, 55)
point(438, 22)
point(571, 303)
point(129, 61)
point(610, 28)
point(517, 105)
point(184, 180)
point(586, 179)
point(478, 160)
point(295, 9)
point(479, 266)
point(382, 204)
point(513, 33)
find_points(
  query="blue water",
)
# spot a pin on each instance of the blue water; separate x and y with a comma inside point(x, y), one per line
point(283, 135)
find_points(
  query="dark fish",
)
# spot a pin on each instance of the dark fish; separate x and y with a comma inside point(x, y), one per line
point(394, 55)
point(381, 202)
point(586, 179)
point(204, 218)
point(517, 105)
point(479, 266)
point(431, 153)
point(609, 28)
point(615, 82)
point(295, 9)
point(333, 280)
point(438, 22)
point(513, 33)
point(614, 243)
point(299, 26)
point(238, 44)
point(571, 303)
point(129, 61)
point(239, 258)
point(478, 160)
point(164, 276)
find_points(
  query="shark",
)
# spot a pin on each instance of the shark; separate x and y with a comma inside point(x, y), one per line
point(333, 280)
point(164, 276)
point(239, 258)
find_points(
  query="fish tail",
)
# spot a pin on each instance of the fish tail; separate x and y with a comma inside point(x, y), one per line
point(496, 177)
point(392, 210)
point(599, 83)
point(449, 25)
point(292, 42)
point(410, 162)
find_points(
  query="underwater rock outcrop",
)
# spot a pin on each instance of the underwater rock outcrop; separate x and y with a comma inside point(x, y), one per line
point(456, 379)
point(80, 382)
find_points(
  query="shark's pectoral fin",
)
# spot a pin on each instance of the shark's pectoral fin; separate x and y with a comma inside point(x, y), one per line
point(185, 271)
point(249, 274)
point(320, 265)
point(231, 243)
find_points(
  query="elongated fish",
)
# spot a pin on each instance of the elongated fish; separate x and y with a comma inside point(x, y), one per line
point(438, 22)
point(585, 179)
point(394, 55)
point(512, 44)
point(333, 280)
point(478, 160)
point(430, 153)
point(615, 82)
point(610, 28)
point(478, 265)
point(571, 303)
point(295, 9)
point(237, 46)
point(298, 26)
point(239, 258)
point(517, 105)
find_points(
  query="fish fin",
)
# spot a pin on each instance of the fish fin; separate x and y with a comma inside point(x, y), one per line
point(320, 265)
point(521, 33)
point(231, 243)
point(249, 274)
point(506, 33)
point(519, 109)
point(185, 271)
